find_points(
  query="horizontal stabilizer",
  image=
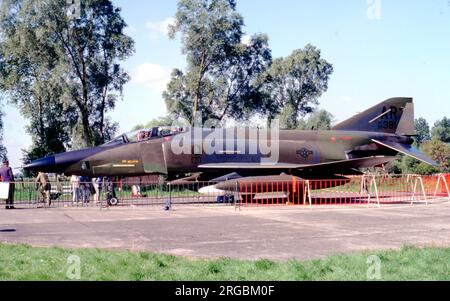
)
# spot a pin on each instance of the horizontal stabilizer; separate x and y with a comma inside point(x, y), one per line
point(406, 150)
point(231, 176)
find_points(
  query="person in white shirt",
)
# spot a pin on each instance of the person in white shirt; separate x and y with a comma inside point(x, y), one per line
point(75, 183)
point(96, 183)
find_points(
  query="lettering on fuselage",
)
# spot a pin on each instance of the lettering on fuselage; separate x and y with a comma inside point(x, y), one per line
point(389, 118)
point(130, 161)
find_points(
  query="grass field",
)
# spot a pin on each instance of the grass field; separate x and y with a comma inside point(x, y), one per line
point(20, 262)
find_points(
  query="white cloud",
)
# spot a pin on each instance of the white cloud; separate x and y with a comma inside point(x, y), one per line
point(152, 76)
point(159, 28)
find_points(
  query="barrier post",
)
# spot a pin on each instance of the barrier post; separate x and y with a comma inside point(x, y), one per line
point(362, 187)
point(418, 179)
point(372, 185)
point(444, 181)
point(307, 194)
point(236, 196)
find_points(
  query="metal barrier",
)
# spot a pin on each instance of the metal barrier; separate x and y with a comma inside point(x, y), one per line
point(27, 194)
point(358, 190)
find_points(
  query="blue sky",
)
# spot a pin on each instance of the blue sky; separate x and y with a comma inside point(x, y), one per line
point(379, 49)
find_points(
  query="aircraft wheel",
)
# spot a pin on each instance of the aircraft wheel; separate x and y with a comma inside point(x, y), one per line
point(113, 202)
point(229, 199)
point(225, 199)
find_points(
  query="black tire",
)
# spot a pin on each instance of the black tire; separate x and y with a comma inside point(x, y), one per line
point(228, 199)
point(225, 199)
point(113, 202)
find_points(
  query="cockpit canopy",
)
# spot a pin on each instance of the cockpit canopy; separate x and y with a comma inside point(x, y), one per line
point(144, 135)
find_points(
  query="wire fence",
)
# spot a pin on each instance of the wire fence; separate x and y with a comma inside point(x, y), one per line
point(359, 190)
point(88, 194)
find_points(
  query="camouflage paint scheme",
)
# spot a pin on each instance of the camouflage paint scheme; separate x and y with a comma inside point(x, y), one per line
point(371, 138)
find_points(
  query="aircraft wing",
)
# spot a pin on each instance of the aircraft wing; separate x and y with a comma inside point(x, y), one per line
point(335, 166)
point(348, 166)
point(407, 150)
point(237, 166)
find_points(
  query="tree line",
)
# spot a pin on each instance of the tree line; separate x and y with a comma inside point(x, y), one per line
point(60, 65)
point(229, 77)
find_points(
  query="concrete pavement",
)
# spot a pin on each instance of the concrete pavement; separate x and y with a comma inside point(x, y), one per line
point(277, 233)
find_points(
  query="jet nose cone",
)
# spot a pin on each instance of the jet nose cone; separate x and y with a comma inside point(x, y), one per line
point(46, 164)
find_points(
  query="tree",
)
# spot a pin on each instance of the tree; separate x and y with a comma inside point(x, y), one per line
point(85, 49)
point(30, 79)
point(160, 121)
point(49, 128)
point(436, 150)
point(319, 121)
point(440, 152)
point(92, 44)
point(295, 83)
point(396, 166)
point(422, 130)
point(285, 118)
point(413, 166)
point(220, 80)
point(441, 130)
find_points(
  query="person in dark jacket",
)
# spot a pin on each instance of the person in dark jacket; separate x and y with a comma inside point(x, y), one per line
point(7, 176)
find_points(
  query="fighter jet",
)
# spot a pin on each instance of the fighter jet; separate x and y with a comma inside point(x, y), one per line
point(369, 139)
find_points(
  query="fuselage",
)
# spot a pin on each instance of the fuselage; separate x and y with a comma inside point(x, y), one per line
point(186, 152)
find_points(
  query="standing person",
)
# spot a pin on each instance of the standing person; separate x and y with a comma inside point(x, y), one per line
point(100, 189)
point(96, 183)
point(75, 183)
point(7, 176)
point(44, 187)
point(85, 188)
point(86, 185)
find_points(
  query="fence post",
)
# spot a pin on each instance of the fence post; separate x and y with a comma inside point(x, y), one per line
point(168, 206)
point(170, 196)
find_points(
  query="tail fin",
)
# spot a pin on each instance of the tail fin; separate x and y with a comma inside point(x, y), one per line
point(394, 116)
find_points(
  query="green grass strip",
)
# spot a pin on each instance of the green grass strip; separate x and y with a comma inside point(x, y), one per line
point(21, 262)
